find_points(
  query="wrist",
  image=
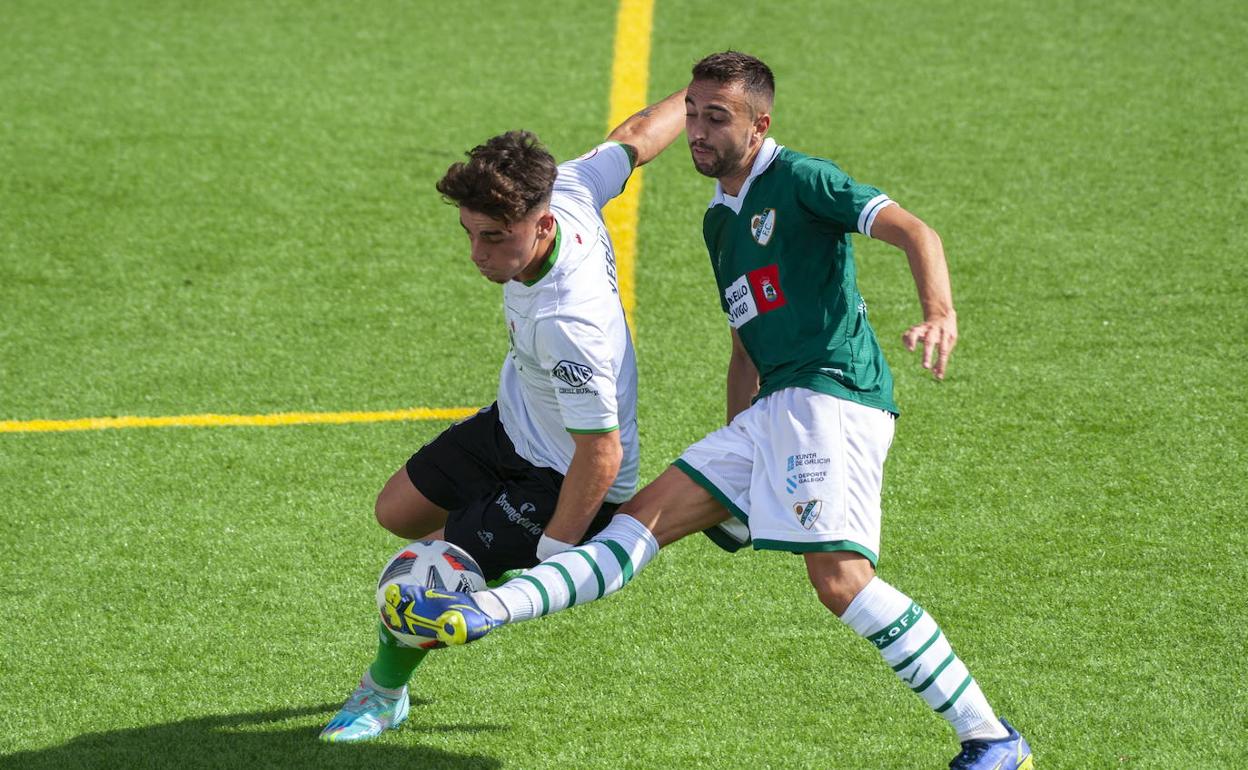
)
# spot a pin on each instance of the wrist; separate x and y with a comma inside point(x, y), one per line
point(548, 546)
point(939, 312)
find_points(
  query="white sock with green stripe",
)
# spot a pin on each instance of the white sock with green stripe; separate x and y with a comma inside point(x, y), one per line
point(916, 648)
point(602, 566)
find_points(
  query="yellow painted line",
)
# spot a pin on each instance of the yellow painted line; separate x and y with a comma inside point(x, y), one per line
point(223, 420)
point(630, 75)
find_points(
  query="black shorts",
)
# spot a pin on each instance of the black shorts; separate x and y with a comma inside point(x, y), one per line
point(499, 503)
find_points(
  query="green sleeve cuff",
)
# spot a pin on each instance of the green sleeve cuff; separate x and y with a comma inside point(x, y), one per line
point(630, 150)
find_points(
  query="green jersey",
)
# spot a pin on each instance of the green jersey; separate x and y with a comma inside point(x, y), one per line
point(784, 265)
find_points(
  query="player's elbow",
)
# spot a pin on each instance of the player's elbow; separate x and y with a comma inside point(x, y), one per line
point(635, 143)
point(919, 236)
point(930, 238)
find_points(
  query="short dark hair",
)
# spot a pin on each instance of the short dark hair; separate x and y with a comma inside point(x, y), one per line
point(505, 178)
point(737, 67)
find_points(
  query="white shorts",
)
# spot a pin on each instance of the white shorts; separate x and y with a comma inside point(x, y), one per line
point(801, 470)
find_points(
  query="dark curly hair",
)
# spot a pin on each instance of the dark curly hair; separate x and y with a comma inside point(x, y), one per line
point(505, 178)
point(737, 67)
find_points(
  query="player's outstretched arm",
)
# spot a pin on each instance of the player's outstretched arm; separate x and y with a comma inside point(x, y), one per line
point(652, 129)
point(939, 330)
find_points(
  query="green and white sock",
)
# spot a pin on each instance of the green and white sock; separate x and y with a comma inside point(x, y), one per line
point(590, 571)
point(918, 652)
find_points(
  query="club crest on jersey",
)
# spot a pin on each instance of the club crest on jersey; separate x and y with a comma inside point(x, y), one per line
point(573, 373)
point(808, 512)
point(762, 225)
point(758, 291)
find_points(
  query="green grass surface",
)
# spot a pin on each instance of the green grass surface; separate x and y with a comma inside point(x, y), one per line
point(229, 207)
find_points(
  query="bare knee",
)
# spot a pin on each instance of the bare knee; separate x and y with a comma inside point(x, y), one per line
point(387, 512)
point(403, 510)
point(838, 576)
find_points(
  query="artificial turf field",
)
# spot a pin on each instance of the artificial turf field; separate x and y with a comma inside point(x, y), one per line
point(228, 207)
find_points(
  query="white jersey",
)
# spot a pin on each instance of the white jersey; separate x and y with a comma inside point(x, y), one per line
point(571, 368)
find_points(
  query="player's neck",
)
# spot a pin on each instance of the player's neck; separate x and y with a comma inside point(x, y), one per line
point(732, 184)
point(543, 256)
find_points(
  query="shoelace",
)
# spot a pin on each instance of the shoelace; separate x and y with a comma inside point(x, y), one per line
point(971, 751)
point(369, 699)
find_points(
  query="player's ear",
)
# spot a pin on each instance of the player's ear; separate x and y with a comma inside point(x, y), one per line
point(761, 123)
point(545, 224)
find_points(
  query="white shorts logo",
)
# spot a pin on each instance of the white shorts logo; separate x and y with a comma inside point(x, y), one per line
point(808, 512)
point(741, 304)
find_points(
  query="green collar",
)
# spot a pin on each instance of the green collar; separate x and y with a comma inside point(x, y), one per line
point(550, 261)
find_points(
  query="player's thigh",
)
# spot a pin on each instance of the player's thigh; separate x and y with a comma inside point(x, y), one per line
point(456, 468)
point(404, 510)
point(720, 466)
point(673, 506)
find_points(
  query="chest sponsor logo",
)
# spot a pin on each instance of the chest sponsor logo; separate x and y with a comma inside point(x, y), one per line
point(741, 305)
point(762, 226)
point(756, 292)
point(573, 373)
point(808, 512)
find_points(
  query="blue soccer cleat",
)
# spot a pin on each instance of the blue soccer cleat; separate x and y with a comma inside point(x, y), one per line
point(450, 617)
point(366, 715)
point(1008, 753)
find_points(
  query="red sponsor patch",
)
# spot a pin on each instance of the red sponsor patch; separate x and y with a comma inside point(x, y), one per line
point(765, 285)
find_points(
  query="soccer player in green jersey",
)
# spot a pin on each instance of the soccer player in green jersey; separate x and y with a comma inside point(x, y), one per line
point(799, 466)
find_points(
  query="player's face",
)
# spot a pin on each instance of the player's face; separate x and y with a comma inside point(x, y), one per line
point(504, 252)
point(722, 128)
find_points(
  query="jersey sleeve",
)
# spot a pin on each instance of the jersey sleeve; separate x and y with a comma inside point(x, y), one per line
point(597, 176)
point(582, 373)
point(831, 195)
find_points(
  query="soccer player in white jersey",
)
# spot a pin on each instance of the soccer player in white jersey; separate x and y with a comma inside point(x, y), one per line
point(547, 464)
point(799, 467)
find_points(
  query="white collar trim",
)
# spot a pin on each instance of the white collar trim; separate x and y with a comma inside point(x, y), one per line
point(766, 154)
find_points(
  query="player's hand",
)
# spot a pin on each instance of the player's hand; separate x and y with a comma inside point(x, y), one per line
point(938, 336)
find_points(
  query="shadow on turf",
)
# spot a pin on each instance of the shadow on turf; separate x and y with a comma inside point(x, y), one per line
point(246, 740)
